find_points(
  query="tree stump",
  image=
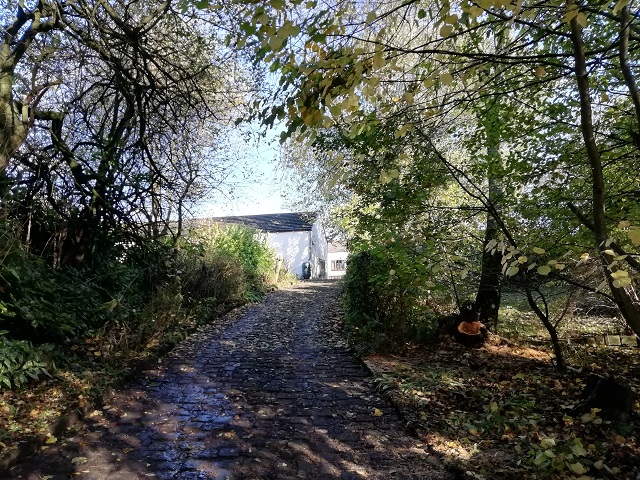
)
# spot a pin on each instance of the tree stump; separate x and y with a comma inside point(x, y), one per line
point(471, 334)
point(467, 330)
point(614, 400)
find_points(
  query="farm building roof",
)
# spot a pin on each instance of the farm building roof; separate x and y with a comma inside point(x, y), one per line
point(336, 247)
point(272, 222)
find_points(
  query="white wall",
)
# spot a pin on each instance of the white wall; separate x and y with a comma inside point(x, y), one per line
point(319, 248)
point(332, 256)
point(293, 247)
point(299, 247)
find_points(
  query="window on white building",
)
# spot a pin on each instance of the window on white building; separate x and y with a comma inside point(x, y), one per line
point(338, 265)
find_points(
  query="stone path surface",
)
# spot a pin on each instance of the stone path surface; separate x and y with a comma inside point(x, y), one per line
point(273, 393)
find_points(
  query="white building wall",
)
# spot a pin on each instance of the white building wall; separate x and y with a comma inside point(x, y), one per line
point(319, 248)
point(295, 248)
point(292, 247)
point(332, 257)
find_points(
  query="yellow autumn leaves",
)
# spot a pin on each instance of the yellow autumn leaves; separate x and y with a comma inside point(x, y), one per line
point(388, 176)
point(632, 231)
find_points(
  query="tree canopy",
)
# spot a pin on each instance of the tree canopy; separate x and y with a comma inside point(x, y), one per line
point(114, 115)
point(527, 111)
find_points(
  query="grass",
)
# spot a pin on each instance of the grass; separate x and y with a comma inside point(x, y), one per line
point(517, 321)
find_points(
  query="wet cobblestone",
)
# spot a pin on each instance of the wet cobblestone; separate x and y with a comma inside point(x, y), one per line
point(272, 394)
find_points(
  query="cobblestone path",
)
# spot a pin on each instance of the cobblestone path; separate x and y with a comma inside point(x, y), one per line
point(271, 394)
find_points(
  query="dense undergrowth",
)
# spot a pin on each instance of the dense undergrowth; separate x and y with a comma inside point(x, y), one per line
point(384, 312)
point(67, 333)
point(392, 302)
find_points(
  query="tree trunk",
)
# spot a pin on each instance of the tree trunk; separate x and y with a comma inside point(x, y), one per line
point(625, 297)
point(625, 64)
point(487, 302)
point(489, 290)
point(553, 333)
point(13, 131)
point(17, 117)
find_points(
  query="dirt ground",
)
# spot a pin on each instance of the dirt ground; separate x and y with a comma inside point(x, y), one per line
point(503, 411)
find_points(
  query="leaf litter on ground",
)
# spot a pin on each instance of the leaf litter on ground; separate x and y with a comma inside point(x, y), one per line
point(504, 411)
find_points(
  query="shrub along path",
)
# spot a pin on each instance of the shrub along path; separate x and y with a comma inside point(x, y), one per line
point(274, 394)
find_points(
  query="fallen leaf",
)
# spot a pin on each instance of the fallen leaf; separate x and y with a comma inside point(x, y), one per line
point(578, 450)
point(578, 468)
point(547, 442)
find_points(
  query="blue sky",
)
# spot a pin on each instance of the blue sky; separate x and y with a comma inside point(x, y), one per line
point(257, 184)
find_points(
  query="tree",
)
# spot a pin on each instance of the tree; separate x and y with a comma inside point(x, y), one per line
point(343, 65)
point(132, 103)
point(18, 115)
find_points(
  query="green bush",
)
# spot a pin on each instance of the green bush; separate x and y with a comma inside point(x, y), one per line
point(231, 250)
point(21, 362)
point(383, 312)
point(132, 331)
point(213, 282)
point(37, 300)
point(108, 300)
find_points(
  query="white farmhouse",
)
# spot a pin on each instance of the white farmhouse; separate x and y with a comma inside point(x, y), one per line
point(336, 260)
point(297, 238)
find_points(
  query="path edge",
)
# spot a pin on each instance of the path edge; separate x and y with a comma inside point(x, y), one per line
point(75, 415)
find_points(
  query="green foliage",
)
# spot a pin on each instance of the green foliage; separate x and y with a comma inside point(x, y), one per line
point(21, 362)
point(213, 282)
point(57, 304)
point(232, 252)
point(381, 313)
point(161, 321)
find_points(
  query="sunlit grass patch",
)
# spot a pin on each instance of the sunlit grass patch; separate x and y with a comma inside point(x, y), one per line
point(573, 321)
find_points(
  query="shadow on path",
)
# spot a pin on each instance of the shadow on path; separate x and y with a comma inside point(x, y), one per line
point(275, 394)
